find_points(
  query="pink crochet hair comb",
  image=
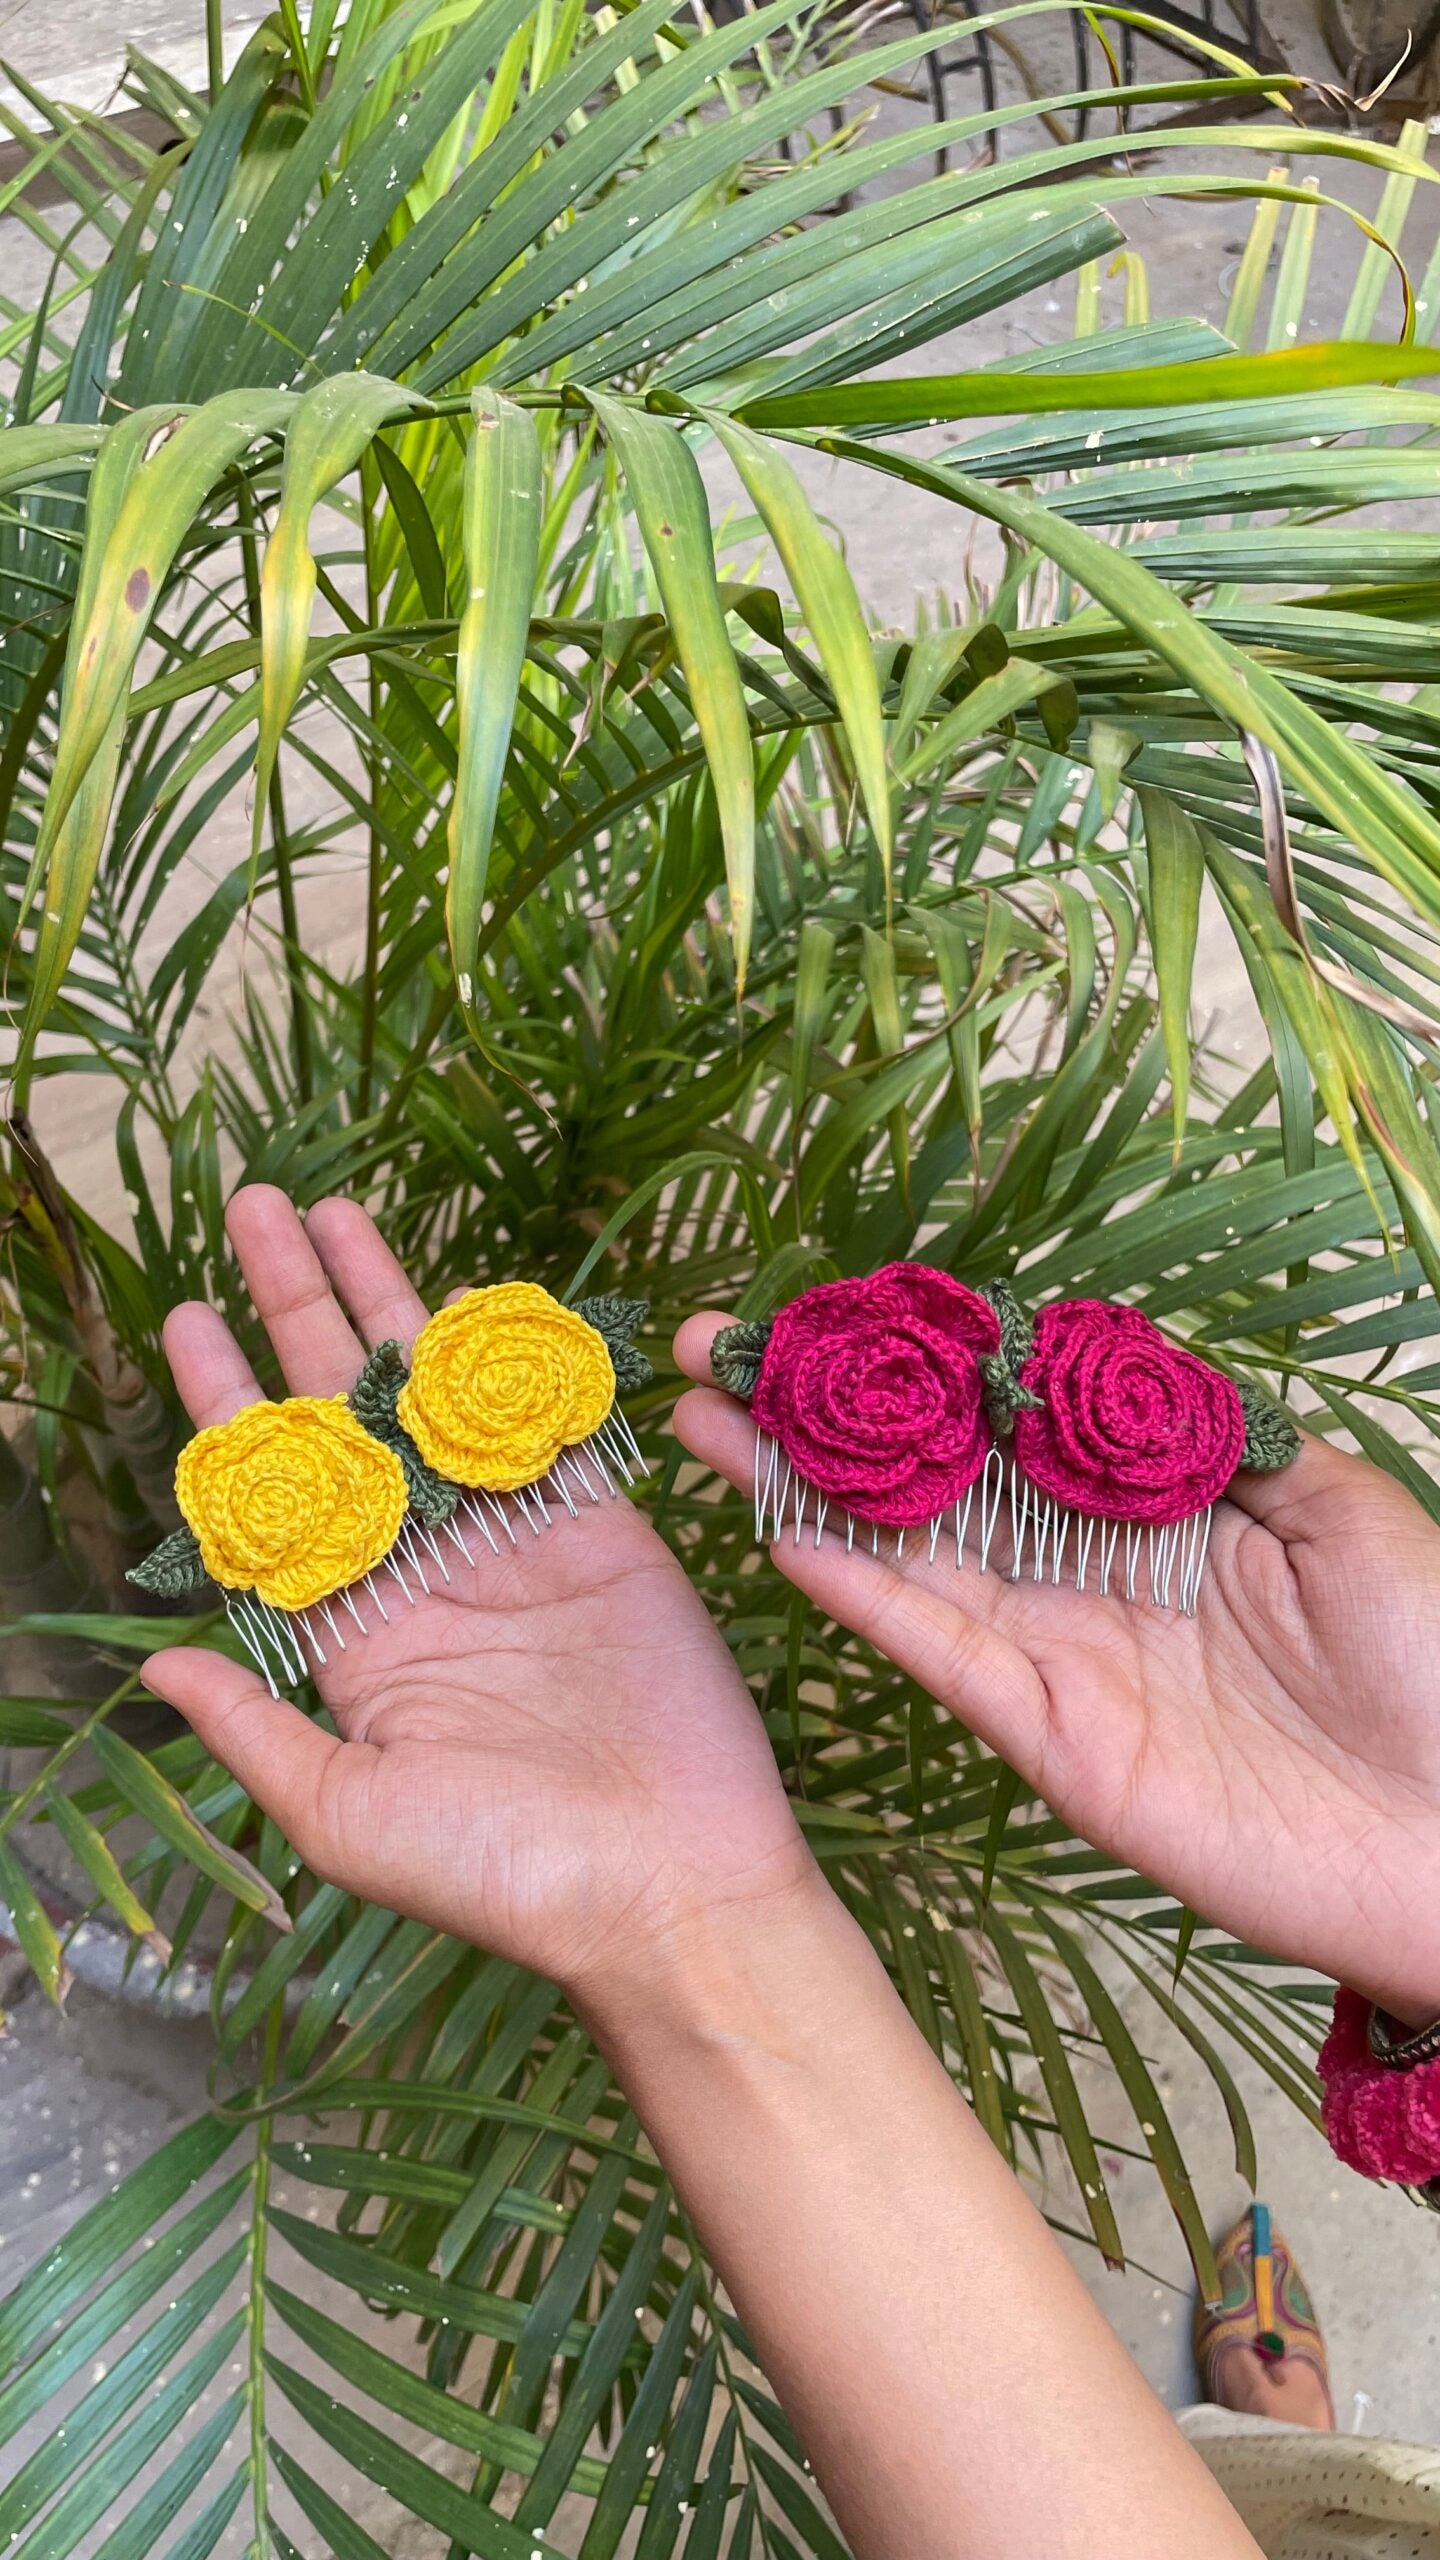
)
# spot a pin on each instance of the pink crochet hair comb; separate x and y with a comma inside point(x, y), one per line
point(1084, 1445)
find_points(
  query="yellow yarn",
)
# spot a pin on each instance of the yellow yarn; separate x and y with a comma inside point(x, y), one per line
point(501, 1382)
point(292, 1501)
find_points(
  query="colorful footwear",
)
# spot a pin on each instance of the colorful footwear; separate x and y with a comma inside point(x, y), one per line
point(1264, 2306)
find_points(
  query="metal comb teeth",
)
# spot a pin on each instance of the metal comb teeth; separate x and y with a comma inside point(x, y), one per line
point(1019, 1534)
point(287, 1646)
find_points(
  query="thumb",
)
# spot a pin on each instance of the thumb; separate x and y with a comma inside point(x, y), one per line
point(968, 1666)
point(281, 1759)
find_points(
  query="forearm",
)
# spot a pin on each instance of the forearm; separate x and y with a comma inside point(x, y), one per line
point(956, 2390)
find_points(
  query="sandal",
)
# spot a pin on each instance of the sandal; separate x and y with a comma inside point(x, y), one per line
point(1264, 2306)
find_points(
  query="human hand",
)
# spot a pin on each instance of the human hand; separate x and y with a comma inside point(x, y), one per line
point(553, 1754)
point(1274, 1762)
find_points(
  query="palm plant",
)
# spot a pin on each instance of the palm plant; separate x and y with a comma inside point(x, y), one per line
point(705, 940)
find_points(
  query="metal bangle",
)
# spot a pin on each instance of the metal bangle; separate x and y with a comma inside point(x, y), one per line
point(1395, 2050)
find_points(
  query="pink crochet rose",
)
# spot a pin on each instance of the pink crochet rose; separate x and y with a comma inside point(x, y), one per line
point(872, 1388)
point(1384, 2123)
point(1128, 1426)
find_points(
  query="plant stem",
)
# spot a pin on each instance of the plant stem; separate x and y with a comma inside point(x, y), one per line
point(255, 2304)
point(299, 52)
point(370, 979)
point(214, 47)
point(279, 829)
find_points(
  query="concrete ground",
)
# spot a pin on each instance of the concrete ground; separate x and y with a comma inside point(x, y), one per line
point(84, 2098)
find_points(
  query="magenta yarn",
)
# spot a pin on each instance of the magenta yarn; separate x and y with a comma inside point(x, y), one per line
point(1384, 2123)
point(872, 1388)
point(1129, 1426)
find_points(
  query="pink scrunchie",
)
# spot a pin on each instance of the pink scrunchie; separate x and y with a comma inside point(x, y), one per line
point(1384, 2123)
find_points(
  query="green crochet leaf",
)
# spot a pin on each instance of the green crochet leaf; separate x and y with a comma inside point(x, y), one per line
point(1271, 1438)
point(1000, 1370)
point(617, 1321)
point(173, 1568)
point(736, 1354)
point(373, 1399)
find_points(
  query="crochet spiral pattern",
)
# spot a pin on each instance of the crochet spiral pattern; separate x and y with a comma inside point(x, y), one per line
point(501, 1382)
point(910, 1401)
point(291, 1500)
point(1127, 1425)
point(873, 1390)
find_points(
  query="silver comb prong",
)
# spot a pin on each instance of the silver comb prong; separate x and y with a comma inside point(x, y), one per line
point(1042, 1537)
point(475, 1511)
point(328, 1615)
point(561, 1490)
point(389, 1564)
point(1204, 1550)
point(849, 1533)
point(621, 1423)
point(451, 1529)
point(1132, 1557)
point(936, 1525)
point(962, 1525)
point(614, 1447)
point(1019, 1521)
point(412, 1557)
point(347, 1602)
point(1109, 1540)
point(252, 1647)
point(802, 1494)
point(1083, 1540)
point(992, 1494)
point(571, 1458)
point(302, 1621)
point(821, 1509)
point(1060, 1540)
point(767, 1454)
point(372, 1587)
point(428, 1539)
point(281, 1634)
point(782, 1495)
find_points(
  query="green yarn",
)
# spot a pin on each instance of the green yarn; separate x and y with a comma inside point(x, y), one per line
point(1017, 1333)
point(617, 1321)
point(372, 1401)
point(736, 1354)
point(171, 1569)
point(1271, 1438)
point(1000, 1370)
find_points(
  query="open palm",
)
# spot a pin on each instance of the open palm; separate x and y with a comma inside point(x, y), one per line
point(551, 1753)
point(1274, 1761)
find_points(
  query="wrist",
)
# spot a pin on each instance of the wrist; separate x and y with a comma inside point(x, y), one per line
point(1407, 2011)
point(737, 1970)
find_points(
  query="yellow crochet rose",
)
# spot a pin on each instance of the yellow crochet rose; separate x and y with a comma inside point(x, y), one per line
point(292, 1501)
point(501, 1382)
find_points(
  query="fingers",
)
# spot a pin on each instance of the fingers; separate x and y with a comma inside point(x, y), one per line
point(365, 1273)
point(280, 1758)
point(717, 1430)
point(971, 1667)
point(1322, 1491)
point(692, 1344)
point(318, 1351)
point(212, 1376)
